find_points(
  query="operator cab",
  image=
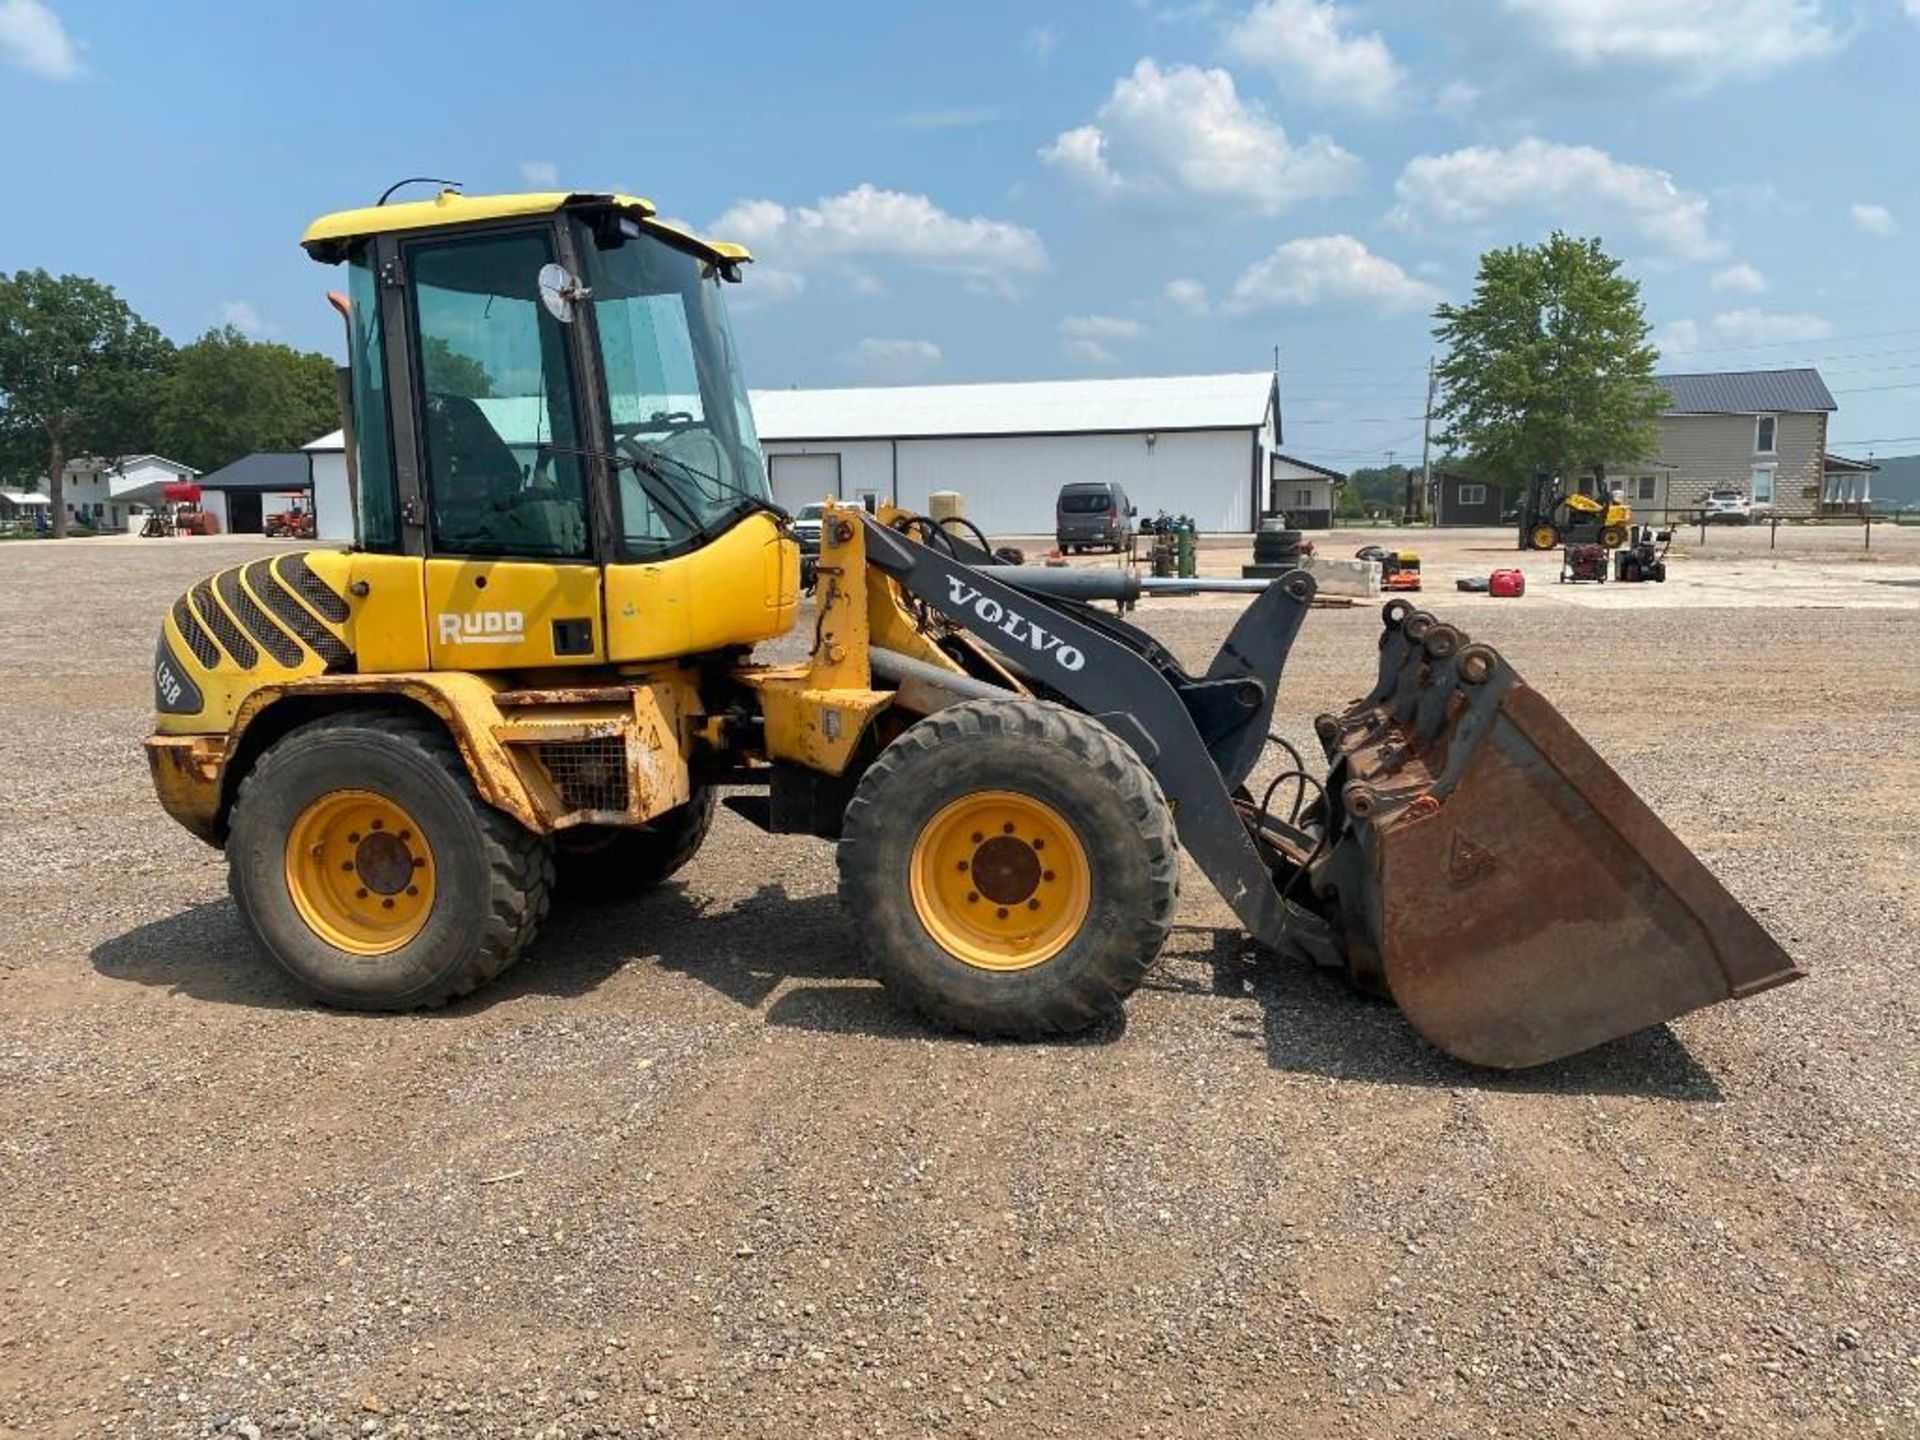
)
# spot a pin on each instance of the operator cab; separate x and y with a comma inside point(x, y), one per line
point(545, 380)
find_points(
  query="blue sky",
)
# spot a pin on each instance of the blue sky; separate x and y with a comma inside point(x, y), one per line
point(1001, 191)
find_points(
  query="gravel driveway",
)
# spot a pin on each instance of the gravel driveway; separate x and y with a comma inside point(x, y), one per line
point(687, 1171)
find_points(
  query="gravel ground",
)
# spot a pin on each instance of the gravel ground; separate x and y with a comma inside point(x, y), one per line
point(688, 1171)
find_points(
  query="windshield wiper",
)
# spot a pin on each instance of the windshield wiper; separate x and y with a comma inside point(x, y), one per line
point(662, 490)
point(701, 477)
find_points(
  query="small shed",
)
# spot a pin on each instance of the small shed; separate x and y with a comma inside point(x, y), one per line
point(244, 493)
point(1306, 493)
point(22, 508)
point(1460, 500)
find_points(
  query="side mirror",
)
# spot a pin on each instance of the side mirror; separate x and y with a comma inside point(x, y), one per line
point(1132, 510)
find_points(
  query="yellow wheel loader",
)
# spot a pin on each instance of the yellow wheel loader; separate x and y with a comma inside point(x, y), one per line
point(534, 671)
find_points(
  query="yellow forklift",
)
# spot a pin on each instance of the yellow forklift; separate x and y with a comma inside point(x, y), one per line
point(1551, 515)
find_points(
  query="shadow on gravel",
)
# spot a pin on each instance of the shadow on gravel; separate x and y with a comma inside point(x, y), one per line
point(744, 949)
point(203, 952)
point(1313, 1022)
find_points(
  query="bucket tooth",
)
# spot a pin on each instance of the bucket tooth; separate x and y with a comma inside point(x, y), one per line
point(1500, 881)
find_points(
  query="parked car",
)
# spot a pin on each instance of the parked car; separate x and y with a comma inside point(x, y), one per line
point(1728, 507)
point(1093, 514)
point(806, 527)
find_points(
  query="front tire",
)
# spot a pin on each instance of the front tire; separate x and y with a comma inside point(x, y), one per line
point(1012, 868)
point(371, 871)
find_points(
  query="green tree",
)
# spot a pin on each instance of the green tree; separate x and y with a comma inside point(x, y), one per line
point(448, 372)
point(1548, 364)
point(80, 373)
point(229, 396)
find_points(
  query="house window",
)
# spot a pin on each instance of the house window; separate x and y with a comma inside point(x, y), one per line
point(1473, 494)
point(1303, 499)
point(1763, 484)
point(1765, 428)
point(1643, 487)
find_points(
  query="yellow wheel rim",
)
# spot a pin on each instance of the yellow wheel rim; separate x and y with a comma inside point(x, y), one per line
point(360, 872)
point(1543, 537)
point(1000, 881)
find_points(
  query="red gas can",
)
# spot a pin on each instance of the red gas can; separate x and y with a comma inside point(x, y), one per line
point(1506, 582)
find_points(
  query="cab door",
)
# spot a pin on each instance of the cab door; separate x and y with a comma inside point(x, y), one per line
point(511, 577)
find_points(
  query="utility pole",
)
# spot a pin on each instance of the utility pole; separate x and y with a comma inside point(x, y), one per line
point(1426, 442)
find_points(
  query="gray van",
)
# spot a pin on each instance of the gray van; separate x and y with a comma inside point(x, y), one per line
point(1092, 513)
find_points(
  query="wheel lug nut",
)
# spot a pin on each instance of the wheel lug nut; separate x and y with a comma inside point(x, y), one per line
point(1001, 912)
point(962, 866)
point(387, 904)
point(413, 889)
point(406, 834)
point(1039, 844)
point(972, 897)
point(1046, 874)
point(361, 893)
point(353, 837)
point(1033, 904)
point(347, 865)
point(978, 837)
point(1007, 829)
point(379, 824)
point(419, 863)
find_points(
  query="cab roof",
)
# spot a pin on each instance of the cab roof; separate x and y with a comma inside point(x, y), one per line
point(328, 237)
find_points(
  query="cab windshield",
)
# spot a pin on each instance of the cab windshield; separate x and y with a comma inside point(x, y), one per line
point(674, 395)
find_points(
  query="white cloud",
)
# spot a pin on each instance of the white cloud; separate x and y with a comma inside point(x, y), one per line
point(1574, 185)
point(765, 287)
point(846, 233)
point(1184, 131)
point(1740, 276)
point(1311, 52)
point(1457, 98)
point(540, 174)
point(1085, 339)
point(1041, 40)
point(1185, 296)
point(1333, 270)
point(244, 317)
point(1875, 219)
point(894, 359)
point(1088, 352)
point(1689, 44)
point(1100, 327)
point(1739, 329)
point(33, 39)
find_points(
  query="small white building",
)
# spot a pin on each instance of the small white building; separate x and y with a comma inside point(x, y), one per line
point(1197, 445)
point(332, 497)
point(1305, 493)
point(109, 492)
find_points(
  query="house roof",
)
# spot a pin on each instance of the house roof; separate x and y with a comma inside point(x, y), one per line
point(1746, 392)
point(332, 440)
point(266, 471)
point(1032, 407)
point(1334, 475)
point(1843, 465)
point(24, 497)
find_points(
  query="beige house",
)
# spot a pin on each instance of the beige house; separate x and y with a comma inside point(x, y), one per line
point(1761, 432)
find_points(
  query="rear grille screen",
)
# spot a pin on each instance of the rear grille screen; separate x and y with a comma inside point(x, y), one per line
point(588, 774)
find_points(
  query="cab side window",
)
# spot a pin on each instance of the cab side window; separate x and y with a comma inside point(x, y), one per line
point(498, 421)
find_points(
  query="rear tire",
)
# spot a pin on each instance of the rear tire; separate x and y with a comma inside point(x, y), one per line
point(964, 914)
point(328, 831)
point(604, 862)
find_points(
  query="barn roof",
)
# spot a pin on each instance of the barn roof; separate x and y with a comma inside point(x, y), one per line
point(1030, 407)
point(265, 471)
point(1746, 392)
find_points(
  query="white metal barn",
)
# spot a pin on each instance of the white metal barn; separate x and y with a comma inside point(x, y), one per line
point(1189, 444)
point(332, 499)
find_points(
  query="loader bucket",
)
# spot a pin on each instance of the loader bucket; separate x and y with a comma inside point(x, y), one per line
point(1498, 880)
